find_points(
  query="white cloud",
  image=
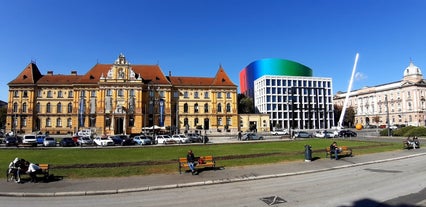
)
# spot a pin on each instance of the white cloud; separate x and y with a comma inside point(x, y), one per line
point(360, 76)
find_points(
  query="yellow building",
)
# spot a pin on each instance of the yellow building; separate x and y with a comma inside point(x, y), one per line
point(120, 98)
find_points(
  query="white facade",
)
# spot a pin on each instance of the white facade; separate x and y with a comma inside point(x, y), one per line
point(402, 102)
point(295, 102)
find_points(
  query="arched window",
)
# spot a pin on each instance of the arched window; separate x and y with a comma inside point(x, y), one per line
point(15, 107)
point(185, 108)
point(196, 108)
point(195, 121)
point(49, 94)
point(69, 108)
point(185, 122)
point(206, 108)
point(48, 122)
point(58, 122)
point(219, 107)
point(24, 107)
point(48, 108)
point(228, 107)
point(69, 122)
point(59, 108)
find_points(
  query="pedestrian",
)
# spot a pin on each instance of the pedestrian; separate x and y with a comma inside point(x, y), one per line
point(32, 170)
point(191, 160)
point(334, 149)
point(239, 136)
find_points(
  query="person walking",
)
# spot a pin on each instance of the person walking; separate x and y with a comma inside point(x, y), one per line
point(191, 160)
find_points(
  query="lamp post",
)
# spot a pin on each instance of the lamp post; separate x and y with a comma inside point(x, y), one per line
point(387, 114)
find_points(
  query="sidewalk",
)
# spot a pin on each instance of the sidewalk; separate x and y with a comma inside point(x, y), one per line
point(97, 186)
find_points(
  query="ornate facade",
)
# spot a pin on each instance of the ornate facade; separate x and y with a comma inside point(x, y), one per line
point(401, 102)
point(120, 98)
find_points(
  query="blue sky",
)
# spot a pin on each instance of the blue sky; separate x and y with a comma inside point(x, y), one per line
point(195, 37)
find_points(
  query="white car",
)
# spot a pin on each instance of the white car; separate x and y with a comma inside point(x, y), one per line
point(180, 138)
point(142, 140)
point(29, 139)
point(164, 139)
point(49, 142)
point(103, 141)
point(81, 141)
point(280, 132)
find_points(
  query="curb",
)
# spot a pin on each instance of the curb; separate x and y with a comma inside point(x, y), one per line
point(193, 184)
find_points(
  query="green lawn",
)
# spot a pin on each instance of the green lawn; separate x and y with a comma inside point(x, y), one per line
point(105, 162)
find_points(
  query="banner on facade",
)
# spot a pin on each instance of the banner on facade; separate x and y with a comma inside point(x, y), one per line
point(161, 121)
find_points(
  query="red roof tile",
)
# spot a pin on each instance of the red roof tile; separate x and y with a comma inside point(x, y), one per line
point(30, 75)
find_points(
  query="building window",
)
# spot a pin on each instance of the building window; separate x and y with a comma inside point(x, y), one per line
point(37, 109)
point(109, 92)
point(15, 94)
point(185, 122)
point(70, 94)
point(228, 95)
point(206, 95)
point(24, 121)
point(219, 94)
point(38, 93)
point(206, 108)
point(120, 92)
point(219, 107)
point(69, 108)
point(48, 108)
point(48, 122)
point(15, 107)
point(219, 121)
point(82, 94)
point(195, 121)
point(25, 94)
point(59, 108)
point(49, 94)
point(161, 93)
point(196, 94)
point(228, 121)
point(69, 122)
point(228, 107)
point(175, 94)
point(58, 122)
point(93, 94)
point(196, 108)
point(60, 94)
point(132, 93)
point(24, 107)
point(185, 108)
point(185, 94)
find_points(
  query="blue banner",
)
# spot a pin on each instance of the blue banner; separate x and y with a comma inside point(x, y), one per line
point(81, 113)
point(161, 121)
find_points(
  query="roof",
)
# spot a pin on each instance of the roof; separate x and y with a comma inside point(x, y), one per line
point(221, 79)
point(30, 75)
point(59, 79)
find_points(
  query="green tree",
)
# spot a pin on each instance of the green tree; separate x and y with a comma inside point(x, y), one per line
point(245, 105)
point(3, 114)
point(349, 118)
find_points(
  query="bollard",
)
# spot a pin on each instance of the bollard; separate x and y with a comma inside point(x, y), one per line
point(308, 153)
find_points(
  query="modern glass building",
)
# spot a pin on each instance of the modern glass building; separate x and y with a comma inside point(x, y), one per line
point(287, 92)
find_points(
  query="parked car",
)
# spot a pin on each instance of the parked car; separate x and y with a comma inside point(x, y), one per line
point(67, 142)
point(40, 139)
point(180, 138)
point(11, 141)
point(302, 134)
point(49, 142)
point(347, 133)
point(116, 139)
point(251, 136)
point(128, 141)
point(280, 132)
point(30, 139)
point(193, 137)
point(142, 140)
point(103, 141)
point(164, 139)
point(81, 141)
point(319, 134)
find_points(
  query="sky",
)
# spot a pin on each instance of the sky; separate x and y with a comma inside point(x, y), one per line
point(195, 37)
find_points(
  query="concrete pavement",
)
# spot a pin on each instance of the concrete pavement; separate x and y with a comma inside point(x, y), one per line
point(97, 186)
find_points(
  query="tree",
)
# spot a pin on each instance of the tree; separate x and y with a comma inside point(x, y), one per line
point(3, 114)
point(349, 115)
point(245, 105)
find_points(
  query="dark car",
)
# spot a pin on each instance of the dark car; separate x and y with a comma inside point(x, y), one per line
point(67, 142)
point(128, 141)
point(117, 139)
point(11, 141)
point(194, 137)
point(302, 134)
point(251, 136)
point(347, 133)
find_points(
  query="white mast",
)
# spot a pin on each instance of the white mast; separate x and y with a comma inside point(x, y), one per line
point(342, 115)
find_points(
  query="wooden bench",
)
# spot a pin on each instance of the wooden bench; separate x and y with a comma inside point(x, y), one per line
point(343, 151)
point(208, 161)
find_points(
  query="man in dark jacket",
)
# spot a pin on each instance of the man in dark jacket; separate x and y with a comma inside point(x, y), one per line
point(191, 159)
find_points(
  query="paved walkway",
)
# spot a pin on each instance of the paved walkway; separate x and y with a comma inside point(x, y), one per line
point(95, 186)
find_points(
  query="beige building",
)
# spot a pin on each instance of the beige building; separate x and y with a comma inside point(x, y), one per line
point(401, 102)
point(120, 98)
point(257, 122)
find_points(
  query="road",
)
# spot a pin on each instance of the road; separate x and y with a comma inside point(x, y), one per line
point(395, 183)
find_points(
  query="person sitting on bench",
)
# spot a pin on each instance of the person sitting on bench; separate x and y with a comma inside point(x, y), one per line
point(32, 170)
point(334, 149)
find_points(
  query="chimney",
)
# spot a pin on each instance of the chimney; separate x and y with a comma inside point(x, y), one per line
point(50, 72)
point(73, 72)
point(170, 73)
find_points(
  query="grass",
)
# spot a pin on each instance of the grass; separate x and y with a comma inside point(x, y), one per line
point(64, 161)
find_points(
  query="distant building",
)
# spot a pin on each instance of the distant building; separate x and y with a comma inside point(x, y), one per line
point(254, 122)
point(402, 102)
point(3, 104)
point(120, 98)
point(290, 95)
